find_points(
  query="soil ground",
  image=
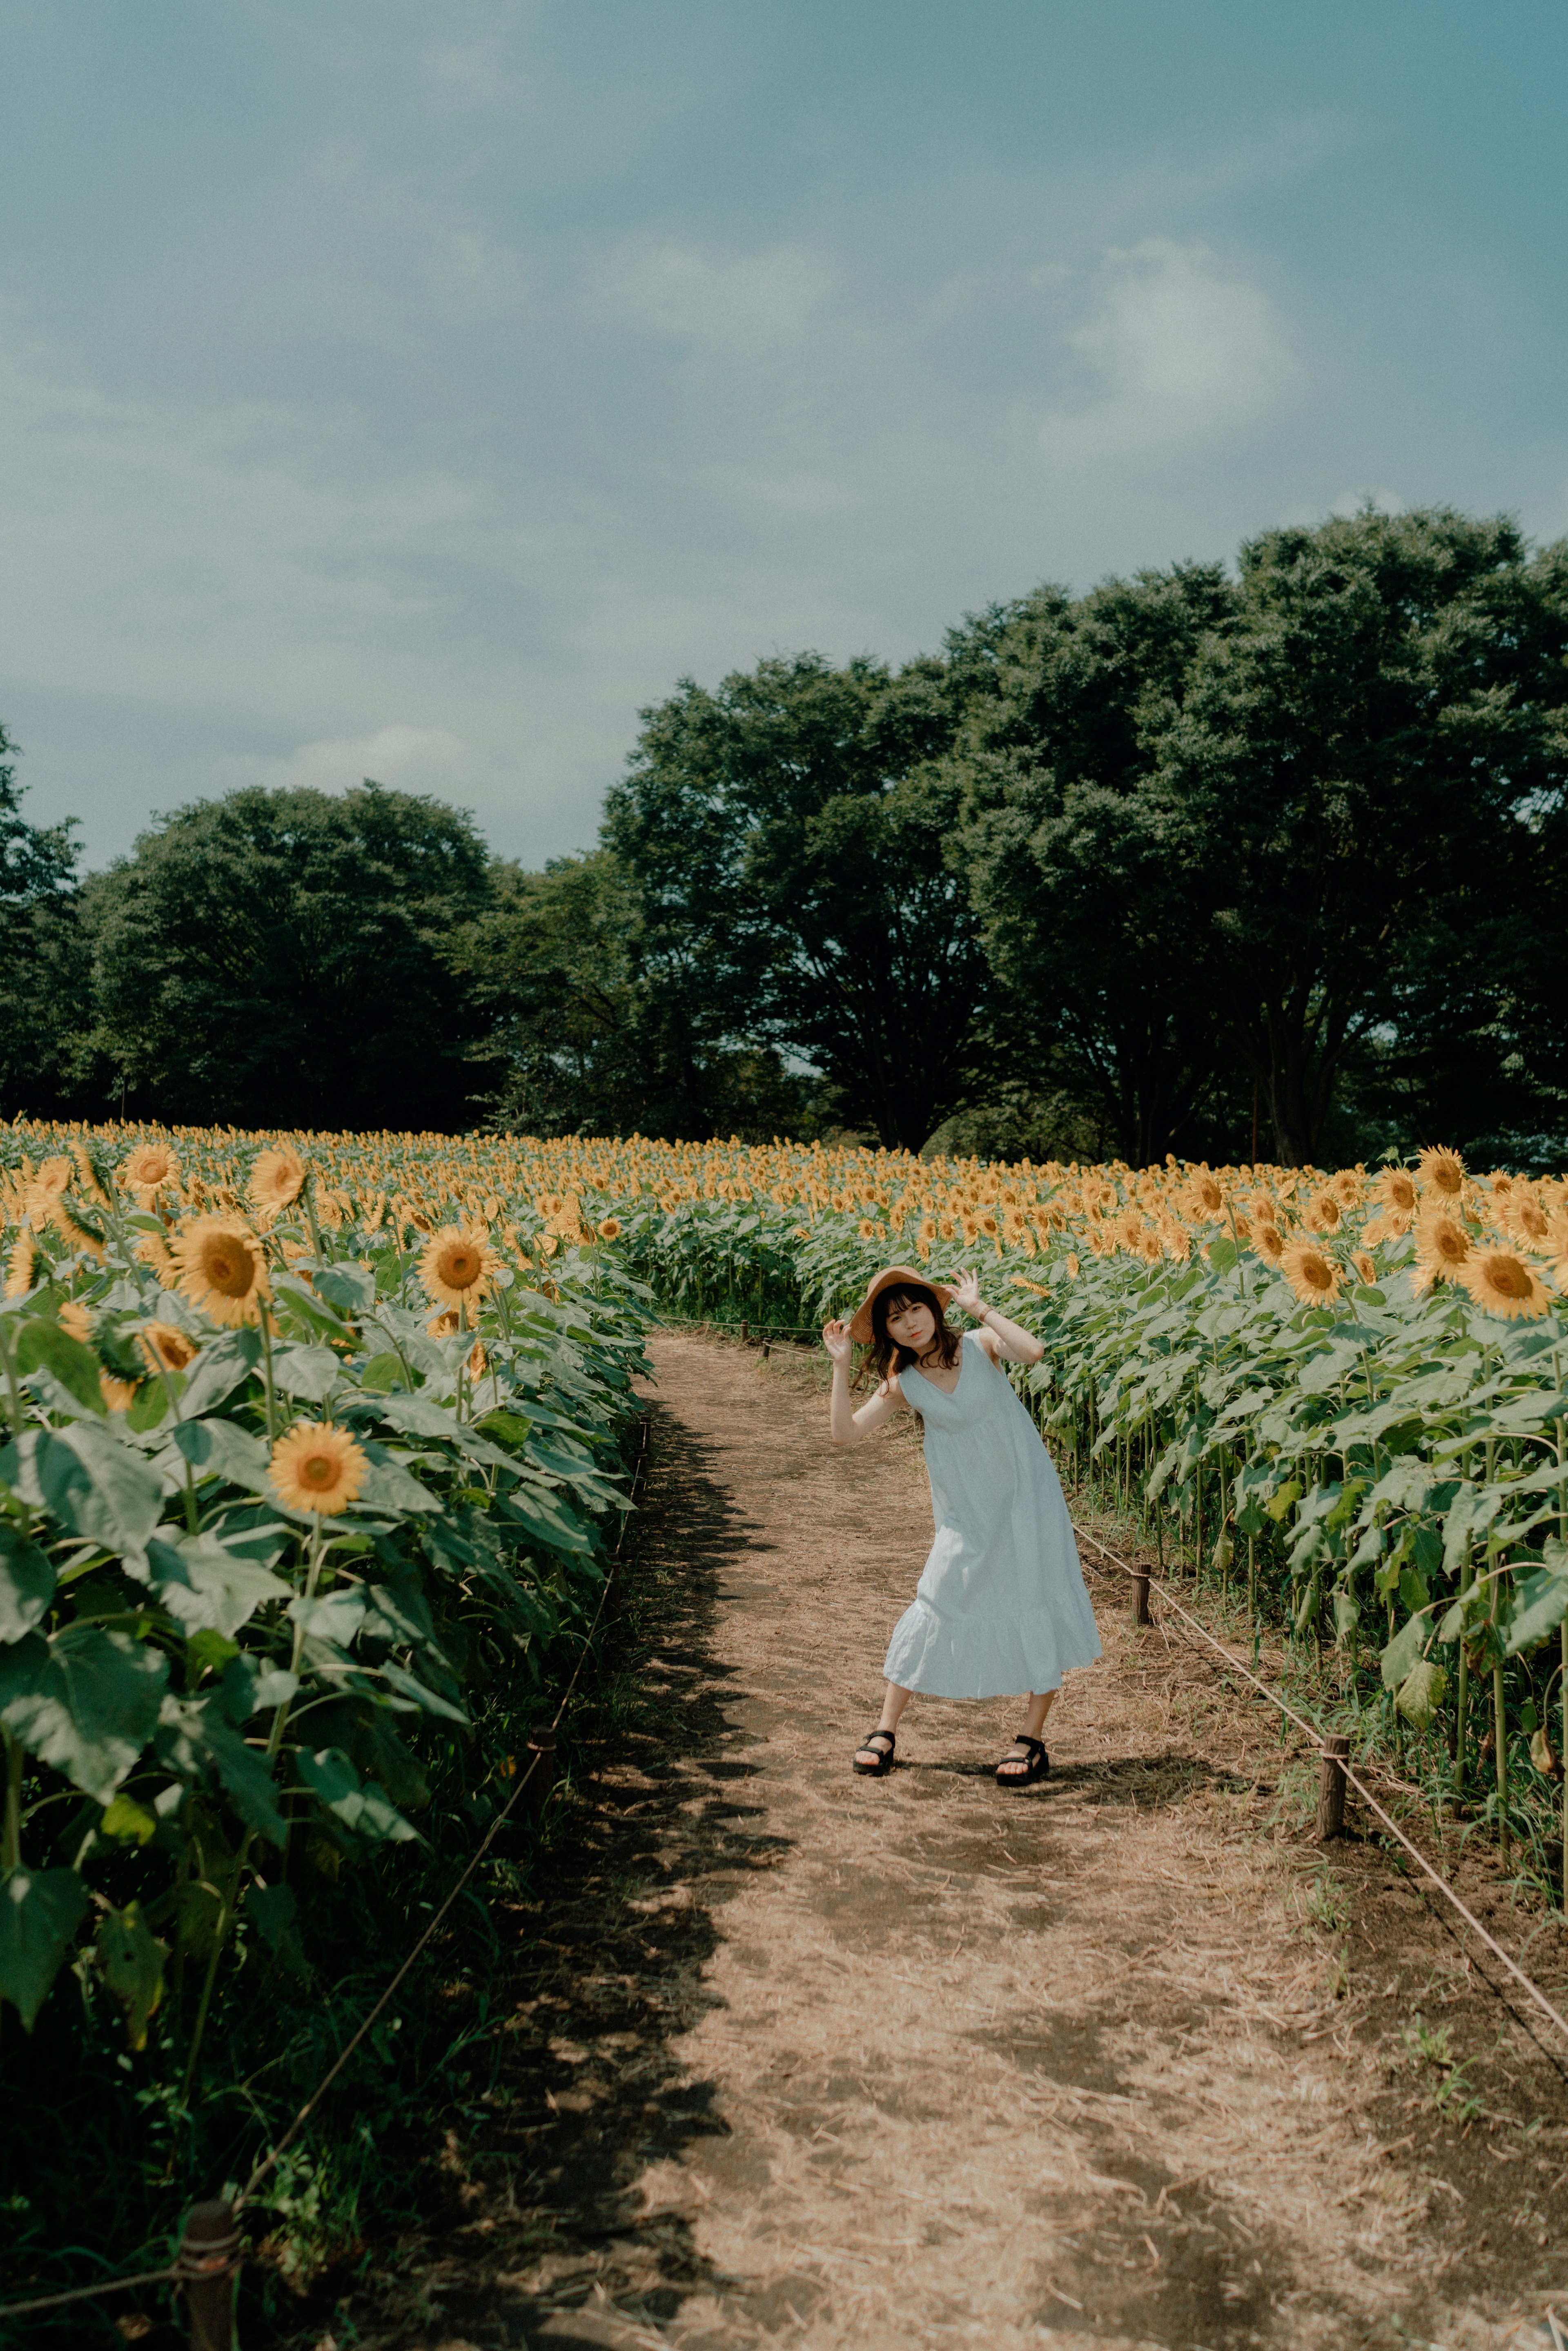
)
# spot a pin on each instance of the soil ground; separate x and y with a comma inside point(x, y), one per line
point(1125, 2060)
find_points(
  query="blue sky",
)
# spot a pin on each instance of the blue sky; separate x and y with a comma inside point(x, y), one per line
point(417, 388)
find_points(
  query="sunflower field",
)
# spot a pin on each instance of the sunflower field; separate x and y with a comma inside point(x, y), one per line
point(303, 1513)
point(315, 1451)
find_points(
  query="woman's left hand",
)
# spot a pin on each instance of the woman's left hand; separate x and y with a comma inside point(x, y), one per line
point(966, 1294)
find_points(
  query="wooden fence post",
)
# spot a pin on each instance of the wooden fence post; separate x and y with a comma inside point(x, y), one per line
point(208, 2265)
point(1330, 1788)
point(1141, 1599)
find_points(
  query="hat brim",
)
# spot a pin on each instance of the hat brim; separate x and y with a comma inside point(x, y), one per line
point(860, 1321)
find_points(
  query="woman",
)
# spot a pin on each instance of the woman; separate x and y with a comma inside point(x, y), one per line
point(1000, 1605)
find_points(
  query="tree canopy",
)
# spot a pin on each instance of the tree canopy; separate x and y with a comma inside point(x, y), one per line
point(1261, 862)
point(278, 958)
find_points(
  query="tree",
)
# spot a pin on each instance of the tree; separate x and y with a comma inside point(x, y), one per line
point(1369, 759)
point(44, 981)
point(1091, 929)
point(789, 835)
point(275, 958)
point(588, 1044)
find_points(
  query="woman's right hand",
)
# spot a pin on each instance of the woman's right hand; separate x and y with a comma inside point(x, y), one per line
point(837, 1340)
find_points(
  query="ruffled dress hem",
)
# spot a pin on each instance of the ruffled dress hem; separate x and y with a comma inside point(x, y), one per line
point(980, 1656)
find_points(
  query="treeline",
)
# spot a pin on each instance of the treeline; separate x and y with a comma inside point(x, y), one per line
point(1263, 865)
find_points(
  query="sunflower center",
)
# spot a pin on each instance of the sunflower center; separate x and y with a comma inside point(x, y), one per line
point(318, 1469)
point(229, 1272)
point(1509, 1277)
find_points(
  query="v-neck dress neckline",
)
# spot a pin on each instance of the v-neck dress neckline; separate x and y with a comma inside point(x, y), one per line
point(928, 1382)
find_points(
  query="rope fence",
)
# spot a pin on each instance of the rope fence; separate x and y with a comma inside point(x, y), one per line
point(208, 2260)
point(1333, 1752)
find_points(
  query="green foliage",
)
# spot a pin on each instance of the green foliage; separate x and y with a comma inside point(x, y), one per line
point(241, 1737)
point(790, 835)
point(45, 986)
point(1235, 835)
point(278, 957)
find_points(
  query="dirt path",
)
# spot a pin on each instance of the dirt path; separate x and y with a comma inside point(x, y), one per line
point(808, 2059)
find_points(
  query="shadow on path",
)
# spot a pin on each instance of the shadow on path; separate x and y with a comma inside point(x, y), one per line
point(654, 1835)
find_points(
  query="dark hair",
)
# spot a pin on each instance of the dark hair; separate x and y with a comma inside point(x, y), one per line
point(885, 1356)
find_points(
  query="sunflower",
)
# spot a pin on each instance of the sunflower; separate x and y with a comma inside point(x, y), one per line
point(1442, 1244)
point(51, 1178)
point(867, 1230)
point(1365, 1266)
point(1269, 1239)
point(1324, 1213)
point(75, 1321)
point(221, 1268)
point(317, 1468)
point(1441, 1171)
point(1313, 1276)
point(1205, 1194)
point(1502, 1283)
point(148, 1166)
point(1395, 1191)
point(457, 1267)
point(167, 1348)
point(154, 1250)
point(1073, 1267)
point(1348, 1187)
point(277, 1179)
point(19, 1265)
point(610, 1228)
point(1525, 1218)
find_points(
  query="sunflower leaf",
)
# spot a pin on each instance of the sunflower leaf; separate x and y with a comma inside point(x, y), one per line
point(43, 1345)
point(39, 1913)
point(26, 1583)
point(366, 1811)
point(85, 1703)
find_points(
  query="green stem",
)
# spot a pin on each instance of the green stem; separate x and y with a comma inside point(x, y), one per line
point(226, 1917)
point(11, 1849)
point(309, 1199)
point(275, 1743)
point(271, 1391)
point(15, 1392)
point(1462, 1693)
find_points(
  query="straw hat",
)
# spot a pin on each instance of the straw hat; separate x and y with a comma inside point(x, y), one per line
point(859, 1324)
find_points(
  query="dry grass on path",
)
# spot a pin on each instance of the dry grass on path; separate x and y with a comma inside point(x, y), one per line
point(800, 2058)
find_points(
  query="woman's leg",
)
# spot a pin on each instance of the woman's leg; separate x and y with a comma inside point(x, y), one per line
point(895, 1699)
point(1015, 1762)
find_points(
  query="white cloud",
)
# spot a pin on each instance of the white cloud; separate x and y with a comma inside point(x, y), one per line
point(743, 304)
point(414, 758)
point(1183, 350)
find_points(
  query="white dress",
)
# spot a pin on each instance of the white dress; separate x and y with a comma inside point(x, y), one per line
point(1000, 1607)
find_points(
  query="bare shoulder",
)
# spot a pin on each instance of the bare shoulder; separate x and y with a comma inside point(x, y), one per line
point(891, 1389)
point(990, 1342)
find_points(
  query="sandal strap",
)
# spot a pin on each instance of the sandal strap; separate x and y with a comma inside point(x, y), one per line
point(890, 1737)
point(1036, 1746)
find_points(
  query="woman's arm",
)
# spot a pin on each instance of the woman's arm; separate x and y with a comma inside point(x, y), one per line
point(847, 1424)
point(1010, 1339)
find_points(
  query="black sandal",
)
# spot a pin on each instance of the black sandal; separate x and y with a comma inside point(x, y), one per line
point(883, 1762)
point(1037, 1764)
